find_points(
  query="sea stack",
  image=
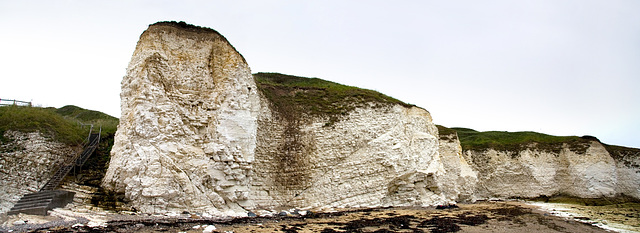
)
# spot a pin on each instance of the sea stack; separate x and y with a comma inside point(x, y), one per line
point(187, 134)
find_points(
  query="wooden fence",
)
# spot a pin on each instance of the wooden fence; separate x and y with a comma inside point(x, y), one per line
point(5, 102)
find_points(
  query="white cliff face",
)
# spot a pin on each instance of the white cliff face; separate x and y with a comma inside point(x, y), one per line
point(26, 164)
point(532, 173)
point(196, 135)
point(384, 156)
point(186, 138)
point(628, 172)
point(459, 179)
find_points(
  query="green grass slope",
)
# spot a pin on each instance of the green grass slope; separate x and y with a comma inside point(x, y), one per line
point(45, 120)
point(70, 125)
point(515, 141)
point(293, 96)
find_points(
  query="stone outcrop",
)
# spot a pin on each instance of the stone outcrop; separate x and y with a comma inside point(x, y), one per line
point(187, 134)
point(587, 172)
point(459, 177)
point(372, 157)
point(26, 164)
point(197, 135)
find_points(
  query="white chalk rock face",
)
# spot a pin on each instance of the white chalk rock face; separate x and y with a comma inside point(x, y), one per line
point(459, 179)
point(187, 133)
point(586, 173)
point(196, 135)
point(374, 156)
point(26, 163)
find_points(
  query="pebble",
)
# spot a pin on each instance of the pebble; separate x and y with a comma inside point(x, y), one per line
point(19, 222)
point(209, 229)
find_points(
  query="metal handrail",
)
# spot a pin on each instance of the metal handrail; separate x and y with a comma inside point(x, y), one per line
point(73, 161)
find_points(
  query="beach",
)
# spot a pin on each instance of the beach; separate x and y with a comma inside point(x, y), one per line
point(499, 216)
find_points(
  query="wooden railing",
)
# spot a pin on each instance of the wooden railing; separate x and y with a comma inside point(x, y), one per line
point(5, 102)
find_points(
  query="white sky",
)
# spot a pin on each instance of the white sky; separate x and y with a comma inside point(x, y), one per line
point(561, 67)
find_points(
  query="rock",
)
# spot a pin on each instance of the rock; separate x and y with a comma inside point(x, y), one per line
point(188, 98)
point(27, 169)
point(529, 173)
point(447, 206)
point(209, 229)
point(19, 222)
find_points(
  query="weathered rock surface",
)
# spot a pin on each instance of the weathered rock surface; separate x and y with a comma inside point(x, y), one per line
point(372, 157)
point(585, 173)
point(197, 135)
point(459, 179)
point(187, 134)
point(26, 164)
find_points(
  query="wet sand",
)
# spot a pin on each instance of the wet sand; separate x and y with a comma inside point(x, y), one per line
point(478, 217)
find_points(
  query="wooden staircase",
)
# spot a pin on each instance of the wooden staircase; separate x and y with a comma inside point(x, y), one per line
point(48, 198)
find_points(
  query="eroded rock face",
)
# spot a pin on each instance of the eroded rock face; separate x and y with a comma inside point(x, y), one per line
point(459, 179)
point(375, 156)
point(590, 173)
point(26, 163)
point(197, 135)
point(187, 134)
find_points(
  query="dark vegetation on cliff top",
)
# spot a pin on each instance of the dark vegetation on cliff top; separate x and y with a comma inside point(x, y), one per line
point(516, 141)
point(185, 25)
point(317, 97)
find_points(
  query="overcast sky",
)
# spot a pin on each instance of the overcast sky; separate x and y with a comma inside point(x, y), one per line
point(561, 67)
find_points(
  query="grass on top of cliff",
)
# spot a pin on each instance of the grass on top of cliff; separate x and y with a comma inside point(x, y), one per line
point(315, 96)
point(68, 125)
point(63, 124)
point(44, 120)
point(515, 141)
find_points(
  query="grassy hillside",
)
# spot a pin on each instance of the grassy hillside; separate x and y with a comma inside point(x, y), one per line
point(69, 125)
point(45, 120)
point(293, 95)
point(108, 123)
point(514, 141)
point(64, 124)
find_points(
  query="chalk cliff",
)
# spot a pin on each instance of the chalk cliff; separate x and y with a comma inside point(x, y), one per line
point(571, 166)
point(200, 133)
point(372, 156)
point(187, 133)
point(26, 164)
